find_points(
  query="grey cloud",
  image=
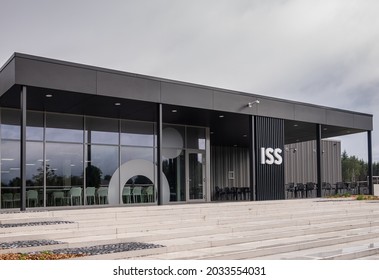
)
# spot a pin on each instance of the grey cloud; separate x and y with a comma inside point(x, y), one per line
point(322, 52)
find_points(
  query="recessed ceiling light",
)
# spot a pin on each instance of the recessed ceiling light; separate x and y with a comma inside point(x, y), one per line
point(234, 145)
point(325, 128)
point(296, 125)
point(212, 132)
point(49, 95)
point(245, 135)
point(117, 104)
point(221, 116)
point(174, 111)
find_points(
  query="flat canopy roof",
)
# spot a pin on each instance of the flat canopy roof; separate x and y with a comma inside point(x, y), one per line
point(84, 88)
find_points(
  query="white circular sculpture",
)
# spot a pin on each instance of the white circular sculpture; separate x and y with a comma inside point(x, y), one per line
point(130, 169)
point(172, 142)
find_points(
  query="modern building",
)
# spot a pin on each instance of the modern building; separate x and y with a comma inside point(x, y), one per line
point(74, 134)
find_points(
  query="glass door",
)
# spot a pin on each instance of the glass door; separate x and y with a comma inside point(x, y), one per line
point(196, 175)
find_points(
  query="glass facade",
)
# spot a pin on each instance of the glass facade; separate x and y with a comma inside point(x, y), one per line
point(76, 160)
point(184, 161)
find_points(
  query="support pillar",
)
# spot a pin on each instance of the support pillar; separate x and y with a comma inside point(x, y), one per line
point(252, 158)
point(159, 154)
point(319, 160)
point(370, 171)
point(23, 149)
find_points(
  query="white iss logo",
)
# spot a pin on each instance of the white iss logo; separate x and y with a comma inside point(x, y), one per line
point(271, 156)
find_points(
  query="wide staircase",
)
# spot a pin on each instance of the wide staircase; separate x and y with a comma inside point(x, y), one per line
point(291, 229)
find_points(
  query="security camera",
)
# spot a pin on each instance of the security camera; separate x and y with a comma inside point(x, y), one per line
point(250, 104)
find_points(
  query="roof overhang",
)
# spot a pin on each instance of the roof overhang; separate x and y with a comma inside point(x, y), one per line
point(82, 89)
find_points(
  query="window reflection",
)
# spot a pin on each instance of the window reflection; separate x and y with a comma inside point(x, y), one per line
point(10, 124)
point(34, 174)
point(65, 128)
point(130, 153)
point(196, 138)
point(137, 133)
point(34, 126)
point(138, 189)
point(64, 173)
point(102, 162)
point(10, 163)
point(10, 174)
point(174, 169)
point(102, 131)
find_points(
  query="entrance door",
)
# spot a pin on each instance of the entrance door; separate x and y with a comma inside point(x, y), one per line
point(196, 175)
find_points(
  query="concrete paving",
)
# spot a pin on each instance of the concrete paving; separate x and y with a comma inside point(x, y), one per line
point(269, 230)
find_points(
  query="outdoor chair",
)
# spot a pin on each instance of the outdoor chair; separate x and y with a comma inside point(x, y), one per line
point(219, 193)
point(310, 189)
point(300, 189)
point(290, 190)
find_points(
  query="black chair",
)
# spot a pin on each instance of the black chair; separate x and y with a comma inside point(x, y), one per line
point(326, 189)
point(219, 193)
point(310, 188)
point(233, 193)
point(300, 189)
point(352, 188)
point(340, 188)
point(290, 190)
point(227, 193)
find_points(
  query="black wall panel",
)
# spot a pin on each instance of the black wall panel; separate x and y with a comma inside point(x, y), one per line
point(269, 176)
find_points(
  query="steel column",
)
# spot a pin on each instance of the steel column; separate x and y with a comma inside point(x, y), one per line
point(23, 149)
point(252, 158)
point(319, 160)
point(159, 154)
point(370, 171)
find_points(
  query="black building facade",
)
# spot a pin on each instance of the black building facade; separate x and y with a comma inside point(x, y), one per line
point(77, 135)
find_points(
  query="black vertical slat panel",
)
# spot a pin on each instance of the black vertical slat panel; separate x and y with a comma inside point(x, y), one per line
point(269, 133)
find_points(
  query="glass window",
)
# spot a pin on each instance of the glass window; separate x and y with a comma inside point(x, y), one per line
point(137, 133)
point(34, 174)
point(65, 128)
point(173, 136)
point(10, 124)
point(64, 174)
point(130, 153)
point(138, 189)
point(34, 126)
point(101, 131)
point(10, 174)
point(174, 169)
point(10, 164)
point(102, 162)
point(196, 138)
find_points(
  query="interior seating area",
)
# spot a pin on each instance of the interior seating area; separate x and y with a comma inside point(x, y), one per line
point(138, 194)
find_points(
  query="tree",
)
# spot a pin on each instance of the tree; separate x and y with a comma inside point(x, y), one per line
point(93, 176)
point(353, 169)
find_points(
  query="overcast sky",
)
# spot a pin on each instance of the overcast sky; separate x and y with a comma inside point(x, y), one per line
point(317, 51)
